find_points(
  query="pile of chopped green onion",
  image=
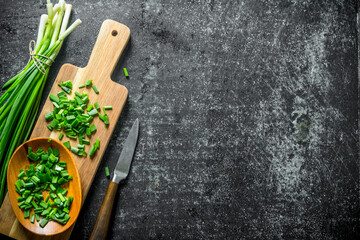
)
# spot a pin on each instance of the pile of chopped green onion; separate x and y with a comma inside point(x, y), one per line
point(20, 103)
point(46, 175)
point(74, 116)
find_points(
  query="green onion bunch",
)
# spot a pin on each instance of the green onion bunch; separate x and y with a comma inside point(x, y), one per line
point(20, 103)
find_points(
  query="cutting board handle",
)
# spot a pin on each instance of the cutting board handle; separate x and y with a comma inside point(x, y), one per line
point(109, 45)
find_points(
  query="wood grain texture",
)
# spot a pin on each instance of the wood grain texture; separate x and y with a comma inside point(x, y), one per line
point(19, 161)
point(102, 222)
point(108, 48)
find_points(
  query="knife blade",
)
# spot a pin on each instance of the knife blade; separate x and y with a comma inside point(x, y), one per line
point(121, 171)
point(123, 165)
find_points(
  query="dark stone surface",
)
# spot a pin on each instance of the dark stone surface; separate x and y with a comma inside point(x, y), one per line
point(248, 110)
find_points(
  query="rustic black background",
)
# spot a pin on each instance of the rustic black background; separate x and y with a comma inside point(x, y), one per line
point(248, 111)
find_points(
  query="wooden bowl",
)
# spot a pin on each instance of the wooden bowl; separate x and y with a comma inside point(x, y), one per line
point(19, 161)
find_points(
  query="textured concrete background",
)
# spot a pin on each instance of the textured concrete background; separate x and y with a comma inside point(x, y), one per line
point(248, 110)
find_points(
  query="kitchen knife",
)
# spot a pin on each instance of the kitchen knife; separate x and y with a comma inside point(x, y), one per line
point(121, 171)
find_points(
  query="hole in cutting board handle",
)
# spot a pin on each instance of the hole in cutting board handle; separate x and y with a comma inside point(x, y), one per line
point(114, 33)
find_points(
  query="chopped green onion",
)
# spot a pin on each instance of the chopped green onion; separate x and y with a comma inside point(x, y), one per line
point(74, 150)
point(126, 72)
point(54, 98)
point(92, 128)
point(89, 108)
point(48, 175)
point(106, 119)
point(92, 150)
point(43, 204)
point(56, 152)
point(49, 116)
point(94, 147)
point(67, 144)
point(97, 143)
point(107, 171)
point(97, 106)
point(81, 85)
point(88, 132)
point(43, 222)
point(95, 89)
point(22, 174)
point(93, 112)
point(26, 213)
point(32, 218)
point(61, 95)
point(88, 83)
point(66, 86)
point(61, 136)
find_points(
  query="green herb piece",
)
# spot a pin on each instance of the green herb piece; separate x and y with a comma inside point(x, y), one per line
point(61, 135)
point(49, 116)
point(43, 222)
point(88, 132)
point(67, 144)
point(95, 89)
point(26, 213)
point(66, 86)
point(75, 150)
point(97, 106)
point(92, 150)
point(88, 83)
point(94, 147)
point(92, 128)
point(81, 85)
point(61, 197)
point(29, 185)
point(97, 143)
point(43, 204)
point(32, 218)
point(106, 119)
point(107, 171)
point(89, 108)
point(54, 98)
point(61, 95)
point(93, 112)
point(126, 72)
point(21, 174)
point(108, 107)
point(56, 152)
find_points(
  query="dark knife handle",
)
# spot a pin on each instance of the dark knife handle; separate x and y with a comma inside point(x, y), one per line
point(102, 222)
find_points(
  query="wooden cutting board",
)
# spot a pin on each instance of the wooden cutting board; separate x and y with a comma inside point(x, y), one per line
point(110, 44)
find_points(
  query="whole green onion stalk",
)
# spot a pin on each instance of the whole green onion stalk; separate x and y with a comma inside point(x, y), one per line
point(20, 103)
